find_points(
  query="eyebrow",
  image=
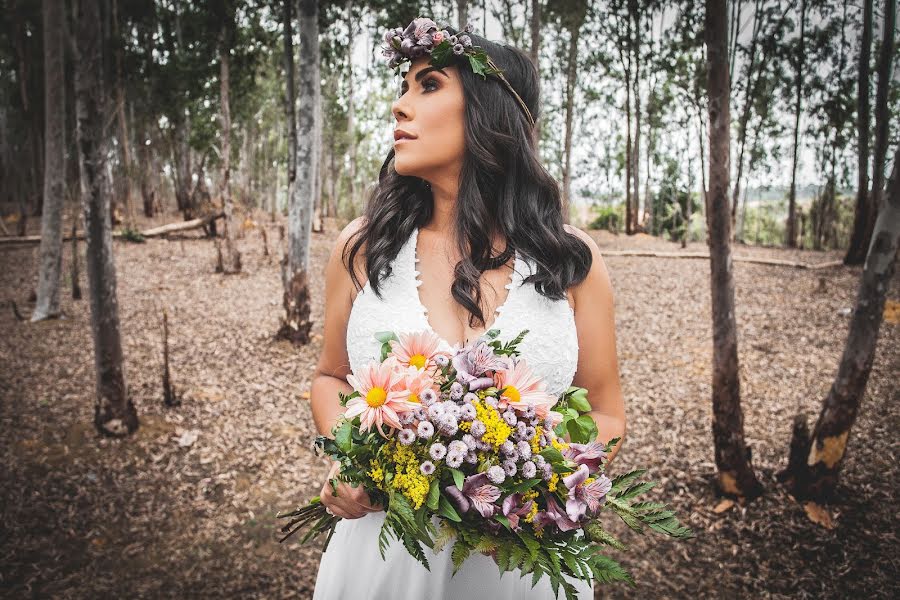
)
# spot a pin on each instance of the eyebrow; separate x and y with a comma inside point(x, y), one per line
point(423, 72)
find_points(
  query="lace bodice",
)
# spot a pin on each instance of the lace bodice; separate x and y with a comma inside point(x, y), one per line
point(550, 347)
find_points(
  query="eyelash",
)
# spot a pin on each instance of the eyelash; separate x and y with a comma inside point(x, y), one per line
point(428, 80)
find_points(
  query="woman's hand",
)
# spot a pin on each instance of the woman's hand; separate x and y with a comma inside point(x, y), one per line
point(350, 502)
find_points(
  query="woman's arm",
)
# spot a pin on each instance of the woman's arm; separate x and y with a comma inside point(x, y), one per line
point(334, 364)
point(598, 369)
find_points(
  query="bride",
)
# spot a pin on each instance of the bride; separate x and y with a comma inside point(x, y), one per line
point(462, 206)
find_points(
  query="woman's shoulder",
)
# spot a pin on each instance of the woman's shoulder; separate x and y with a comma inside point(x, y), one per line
point(342, 246)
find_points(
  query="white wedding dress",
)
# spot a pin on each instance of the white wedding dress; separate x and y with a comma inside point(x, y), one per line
point(352, 567)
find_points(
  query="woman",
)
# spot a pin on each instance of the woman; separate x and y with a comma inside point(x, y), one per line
point(462, 206)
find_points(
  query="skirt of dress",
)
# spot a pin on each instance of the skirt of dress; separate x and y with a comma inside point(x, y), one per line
point(352, 568)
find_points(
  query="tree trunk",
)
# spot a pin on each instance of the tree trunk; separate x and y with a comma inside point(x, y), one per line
point(54, 164)
point(297, 323)
point(535, 54)
point(233, 256)
point(571, 74)
point(791, 229)
point(814, 468)
point(114, 414)
point(636, 143)
point(462, 12)
point(736, 475)
point(882, 110)
point(120, 113)
point(351, 116)
point(865, 212)
point(289, 97)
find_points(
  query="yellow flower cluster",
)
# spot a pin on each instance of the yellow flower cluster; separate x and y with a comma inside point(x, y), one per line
point(407, 477)
point(376, 472)
point(530, 495)
point(554, 479)
point(497, 430)
point(530, 516)
point(559, 445)
point(536, 440)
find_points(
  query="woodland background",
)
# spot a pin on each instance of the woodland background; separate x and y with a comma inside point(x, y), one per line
point(173, 176)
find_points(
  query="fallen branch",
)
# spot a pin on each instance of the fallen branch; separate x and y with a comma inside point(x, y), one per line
point(762, 261)
point(153, 232)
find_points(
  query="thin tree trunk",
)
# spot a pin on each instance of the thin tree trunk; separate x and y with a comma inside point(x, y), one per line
point(816, 460)
point(462, 12)
point(233, 255)
point(865, 209)
point(297, 323)
point(534, 53)
point(636, 147)
point(744, 120)
point(114, 414)
point(571, 74)
point(791, 229)
point(736, 475)
point(120, 113)
point(882, 110)
point(54, 164)
point(351, 114)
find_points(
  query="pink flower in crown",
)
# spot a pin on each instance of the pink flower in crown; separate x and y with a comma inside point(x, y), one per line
point(437, 37)
point(412, 383)
point(380, 401)
point(418, 349)
point(523, 388)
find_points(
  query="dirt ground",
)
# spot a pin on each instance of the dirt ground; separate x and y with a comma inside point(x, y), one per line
point(186, 506)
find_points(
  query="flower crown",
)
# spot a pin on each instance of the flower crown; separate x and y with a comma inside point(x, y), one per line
point(422, 36)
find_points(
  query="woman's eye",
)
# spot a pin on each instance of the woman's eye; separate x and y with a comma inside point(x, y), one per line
point(427, 85)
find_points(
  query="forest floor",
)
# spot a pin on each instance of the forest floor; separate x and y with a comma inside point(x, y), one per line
point(186, 506)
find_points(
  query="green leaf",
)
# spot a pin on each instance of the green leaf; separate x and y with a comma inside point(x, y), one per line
point(624, 480)
point(385, 336)
point(434, 495)
point(524, 486)
point(552, 455)
point(460, 552)
point(578, 400)
point(504, 520)
point(458, 478)
point(342, 436)
point(446, 509)
point(636, 490)
point(582, 430)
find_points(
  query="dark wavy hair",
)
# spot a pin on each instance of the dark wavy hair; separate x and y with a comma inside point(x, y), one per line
point(503, 187)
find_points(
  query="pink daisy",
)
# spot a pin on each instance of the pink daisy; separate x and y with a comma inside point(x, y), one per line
point(417, 349)
point(523, 388)
point(380, 400)
point(412, 383)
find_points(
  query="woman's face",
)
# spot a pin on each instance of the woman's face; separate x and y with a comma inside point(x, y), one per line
point(430, 108)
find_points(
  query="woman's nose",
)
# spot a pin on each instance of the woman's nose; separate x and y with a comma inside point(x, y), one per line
point(400, 110)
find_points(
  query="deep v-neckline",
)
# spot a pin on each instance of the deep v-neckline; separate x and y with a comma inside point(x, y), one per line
point(498, 312)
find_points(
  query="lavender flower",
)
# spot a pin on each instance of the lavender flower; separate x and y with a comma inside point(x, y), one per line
point(529, 412)
point(496, 474)
point(529, 432)
point(454, 460)
point(482, 445)
point(510, 417)
point(425, 430)
point(469, 440)
point(477, 493)
point(406, 436)
point(490, 401)
point(513, 509)
point(421, 414)
point(428, 397)
point(457, 447)
point(591, 454)
point(435, 411)
point(456, 390)
point(510, 467)
point(478, 428)
point(529, 469)
point(441, 360)
point(538, 460)
point(470, 397)
point(407, 417)
point(585, 498)
point(524, 449)
point(471, 458)
point(546, 471)
point(508, 448)
point(426, 468)
point(437, 451)
point(468, 412)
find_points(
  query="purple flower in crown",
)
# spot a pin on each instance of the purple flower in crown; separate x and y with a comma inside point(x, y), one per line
point(422, 27)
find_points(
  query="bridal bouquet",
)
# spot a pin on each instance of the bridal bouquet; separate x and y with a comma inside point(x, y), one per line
point(468, 447)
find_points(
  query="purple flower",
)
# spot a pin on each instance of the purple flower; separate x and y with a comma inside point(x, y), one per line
point(406, 436)
point(538, 460)
point(470, 441)
point(478, 428)
point(428, 397)
point(456, 390)
point(510, 467)
point(482, 445)
point(435, 411)
point(591, 454)
point(471, 458)
point(437, 451)
point(546, 471)
point(477, 493)
point(496, 474)
point(524, 449)
point(490, 401)
point(510, 417)
point(513, 509)
point(529, 470)
point(472, 363)
point(425, 430)
point(585, 498)
point(468, 412)
point(470, 397)
point(529, 411)
point(441, 360)
point(457, 447)
point(559, 516)
point(426, 468)
point(454, 460)
point(407, 417)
